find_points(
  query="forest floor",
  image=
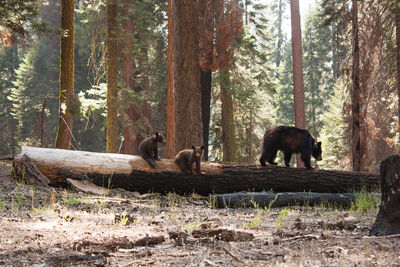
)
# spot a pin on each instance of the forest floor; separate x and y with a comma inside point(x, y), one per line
point(61, 227)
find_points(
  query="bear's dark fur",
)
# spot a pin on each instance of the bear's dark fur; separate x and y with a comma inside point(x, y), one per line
point(185, 159)
point(148, 148)
point(289, 140)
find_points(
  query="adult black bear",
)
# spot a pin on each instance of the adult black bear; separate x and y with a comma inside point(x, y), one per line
point(148, 148)
point(185, 159)
point(289, 140)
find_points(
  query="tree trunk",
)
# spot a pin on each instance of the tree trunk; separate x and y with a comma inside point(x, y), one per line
point(228, 124)
point(278, 56)
point(298, 83)
point(135, 174)
point(136, 117)
point(398, 62)
point(205, 77)
point(112, 119)
point(127, 72)
point(355, 96)
point(388, 219)
point(64, 133)
point(187, 87)
point(170, 151)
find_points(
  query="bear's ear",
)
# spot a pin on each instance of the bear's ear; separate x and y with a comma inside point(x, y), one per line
point(193, 147)
point(202, 147)
point(319, 144)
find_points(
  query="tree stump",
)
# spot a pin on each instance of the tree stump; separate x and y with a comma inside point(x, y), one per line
point(388, 219)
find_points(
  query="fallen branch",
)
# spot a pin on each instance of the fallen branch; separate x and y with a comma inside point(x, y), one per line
point(87, 187)
point(232, 255)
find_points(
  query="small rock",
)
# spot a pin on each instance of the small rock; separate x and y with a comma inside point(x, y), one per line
point(351, 219)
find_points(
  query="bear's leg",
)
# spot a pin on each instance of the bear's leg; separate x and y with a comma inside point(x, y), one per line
point(262, 159)
point(198, 167)
point(181, 165)
point(288, 157)
point(156, 157)
point(306, 158)
point(150, 161)
point(271, 156)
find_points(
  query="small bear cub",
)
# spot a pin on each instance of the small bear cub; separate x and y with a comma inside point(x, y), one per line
point(185, 159)
point(148, 148)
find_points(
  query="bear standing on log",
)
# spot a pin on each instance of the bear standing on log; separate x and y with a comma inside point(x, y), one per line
point(148, 148)
point(185, 159)
point(289, 140)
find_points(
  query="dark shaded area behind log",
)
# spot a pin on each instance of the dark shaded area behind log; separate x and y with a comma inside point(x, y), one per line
point(237, 178)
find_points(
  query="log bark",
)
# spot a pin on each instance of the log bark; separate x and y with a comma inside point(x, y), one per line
point(388, 219)
point(27, 170)
point(263, 199)
point(133, 173)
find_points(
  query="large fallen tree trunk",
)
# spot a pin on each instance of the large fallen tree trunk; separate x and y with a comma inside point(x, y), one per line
point(134, 174)
point(264, 199)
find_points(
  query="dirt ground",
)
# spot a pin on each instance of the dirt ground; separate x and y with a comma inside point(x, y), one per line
point(62, 227)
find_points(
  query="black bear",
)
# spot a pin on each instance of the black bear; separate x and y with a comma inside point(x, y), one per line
point(148, 148)
point(289, 140)
point(185, 159)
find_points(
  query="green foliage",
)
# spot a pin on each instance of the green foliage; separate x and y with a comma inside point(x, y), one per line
point(318, 74)
point(8, 64)
point(74, 202)
point(252, 84)
point(283, 98)
point(334, 135)
point(191, 226)
point(15, 14)
point(262, 214)
point(365, 202)
point(280, 221)
point(33, 84)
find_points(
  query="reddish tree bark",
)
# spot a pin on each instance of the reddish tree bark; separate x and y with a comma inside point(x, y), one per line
point(64, 134)
point(136, 117)
point(297, 62)
point(398, 59)
point(112, 121)
point(170, 120)
point(355, 95)
point(186, 71)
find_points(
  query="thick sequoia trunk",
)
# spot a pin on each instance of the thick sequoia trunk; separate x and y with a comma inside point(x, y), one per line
point(297, 62)
point(356, 94)
point(170, 150)
point(388, 219)
point(112, 93)
point(134, 174)
point(186, 70)
point(64, 133)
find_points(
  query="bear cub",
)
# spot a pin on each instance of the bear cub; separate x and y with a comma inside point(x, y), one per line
point(185, 159)
point(289, 140)
point(148, 148)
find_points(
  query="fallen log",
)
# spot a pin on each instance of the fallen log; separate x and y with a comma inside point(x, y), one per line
point(134, 174)
point(27, 170)
point(273, 200)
